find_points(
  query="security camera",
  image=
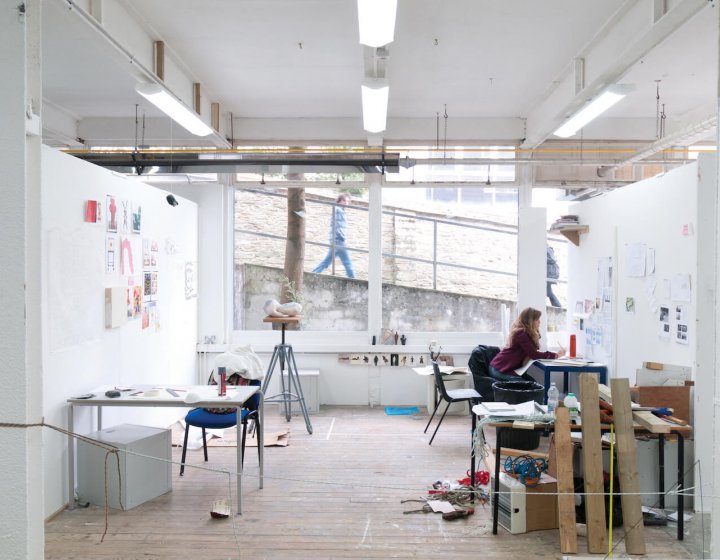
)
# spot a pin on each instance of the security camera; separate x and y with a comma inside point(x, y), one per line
point(171, 200)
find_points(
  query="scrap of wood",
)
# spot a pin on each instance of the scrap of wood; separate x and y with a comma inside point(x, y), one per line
point(564, 475)
point(651, 423)
point(604, 393)
point(654, 365)
point(627, 468)
point(592, 465)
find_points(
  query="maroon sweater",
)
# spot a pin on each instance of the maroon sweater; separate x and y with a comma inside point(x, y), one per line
point(514, 355)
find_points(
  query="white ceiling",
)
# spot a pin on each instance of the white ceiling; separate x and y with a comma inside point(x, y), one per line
point(502, 69)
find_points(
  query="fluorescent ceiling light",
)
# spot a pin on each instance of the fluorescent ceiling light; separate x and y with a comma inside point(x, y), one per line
point(376, 19)
point(173, 108)
point(596, 107)
point(375, 103)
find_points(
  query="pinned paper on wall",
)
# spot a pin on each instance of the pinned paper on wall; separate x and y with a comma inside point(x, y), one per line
point(110, 253)
point(630, 305)
point(112, 211)
point(680, 287)
point(667, 288)
point(635, 259)
point(681, 330)
point(664, 323)
point(650, 261)
point(650, 285)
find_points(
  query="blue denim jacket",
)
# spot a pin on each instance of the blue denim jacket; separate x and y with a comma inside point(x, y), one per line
point(340, 229)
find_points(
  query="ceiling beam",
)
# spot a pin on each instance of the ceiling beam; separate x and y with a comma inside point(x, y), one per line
point(629, 35)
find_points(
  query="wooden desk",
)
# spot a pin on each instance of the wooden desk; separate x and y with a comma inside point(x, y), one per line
point(680, 431)
point(236, 397)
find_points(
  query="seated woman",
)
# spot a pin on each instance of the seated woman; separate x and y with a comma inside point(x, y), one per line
point(523, 345)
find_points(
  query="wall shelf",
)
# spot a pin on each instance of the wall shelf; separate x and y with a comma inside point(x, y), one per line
point(572, 233)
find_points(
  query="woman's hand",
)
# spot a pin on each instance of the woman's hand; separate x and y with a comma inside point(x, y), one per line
point(561, 352)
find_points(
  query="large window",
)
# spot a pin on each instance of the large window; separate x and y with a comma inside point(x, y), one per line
point(449, 265)
point(336, 235)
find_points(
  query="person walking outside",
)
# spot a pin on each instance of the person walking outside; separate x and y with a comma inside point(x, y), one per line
point(338, 235)
point(553, 273)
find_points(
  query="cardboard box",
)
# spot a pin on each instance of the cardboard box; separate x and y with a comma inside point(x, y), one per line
point(522, 509)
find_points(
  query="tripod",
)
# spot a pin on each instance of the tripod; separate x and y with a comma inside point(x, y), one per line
point(283, 354)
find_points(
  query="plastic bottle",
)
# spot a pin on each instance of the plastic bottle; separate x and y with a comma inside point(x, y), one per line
point(553, 396)
point(571, 403)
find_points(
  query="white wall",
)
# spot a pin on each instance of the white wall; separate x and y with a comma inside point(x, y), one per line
point(656, 212)
point(653, 212)
point(79, 353)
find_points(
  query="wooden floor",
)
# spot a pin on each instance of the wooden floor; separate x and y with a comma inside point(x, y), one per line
point(334, 494)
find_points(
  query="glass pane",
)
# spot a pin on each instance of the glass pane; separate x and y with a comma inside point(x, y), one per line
point(553, 201)
point(448, 266)
point(334, 298)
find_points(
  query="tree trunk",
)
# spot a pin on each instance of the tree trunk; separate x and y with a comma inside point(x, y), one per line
point(295, 246)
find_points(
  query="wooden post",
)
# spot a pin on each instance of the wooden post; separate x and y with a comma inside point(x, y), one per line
point(196, 97)
point(592, 465)
point(627, 467)
point(215, 116)
point(566, 498)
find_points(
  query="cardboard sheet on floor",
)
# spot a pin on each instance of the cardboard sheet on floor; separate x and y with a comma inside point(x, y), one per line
point(229, 438)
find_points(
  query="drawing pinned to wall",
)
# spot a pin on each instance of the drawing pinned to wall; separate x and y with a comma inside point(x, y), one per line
point(635, 259)
point(630, 305)
point(579, 307)
point(137, 301)
point(91, 211)
point(153, 286)
point(680, 287)
point(110, 253)
point(124, 216)
point(127, 266)
point(112, 211)
point(589, 306)
point(681, 331)
point(146, 316)
point(190, 280)
point(146, 253)
point(136, 218)
point(664, 322)
point(667, 288)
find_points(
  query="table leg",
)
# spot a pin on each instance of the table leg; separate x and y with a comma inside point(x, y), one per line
point(238, 457)
point(472, 456)
point(71, 459)
point(661, 469)
point(681, 486)
point(547, 385)
point(261, 437)
point(565, 382)
point(496, 486)
point(99, 418)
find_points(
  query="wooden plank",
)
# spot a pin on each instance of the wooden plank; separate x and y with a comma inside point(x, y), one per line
point(592, 465)
point(564, 475)
point(627, 468)
point(604, 393)
point(159, 52)
point(651, 422)
point(197, 105)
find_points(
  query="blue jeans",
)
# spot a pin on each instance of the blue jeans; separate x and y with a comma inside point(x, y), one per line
point(342, 253)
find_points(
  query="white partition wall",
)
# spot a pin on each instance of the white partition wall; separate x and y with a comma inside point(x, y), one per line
point(79, 352)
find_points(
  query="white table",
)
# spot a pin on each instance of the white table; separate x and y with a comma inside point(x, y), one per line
point(236, 397)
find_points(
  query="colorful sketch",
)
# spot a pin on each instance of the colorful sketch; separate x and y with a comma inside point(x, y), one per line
point(112, 211)
point(126, 256)
point(147, 286)
point(137, 301)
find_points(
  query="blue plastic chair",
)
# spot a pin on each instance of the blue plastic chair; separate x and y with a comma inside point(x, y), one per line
point(201, 418)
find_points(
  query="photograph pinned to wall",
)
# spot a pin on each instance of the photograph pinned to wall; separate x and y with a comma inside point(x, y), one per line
point(664, 322)
point(124, 220)
point(355, 359)
point(404, 360)
point(153, 286)
point(112, 213)
point(136, 218)
point(147, 286)
point(681, 334)
point(589, 306)
point(111, 254)
point(375, 360)
point(190, 279)
point(344, 358)
point(154, 250)
point(579, 307)
point(384, 359)
point(630, 305)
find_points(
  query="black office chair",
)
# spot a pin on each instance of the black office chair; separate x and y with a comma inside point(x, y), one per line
point(450, 396)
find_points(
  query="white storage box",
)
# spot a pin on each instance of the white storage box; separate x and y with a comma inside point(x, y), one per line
point(310, 383)
point(143, 478)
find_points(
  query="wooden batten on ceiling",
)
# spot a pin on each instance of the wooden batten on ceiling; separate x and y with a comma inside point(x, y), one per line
point(196, 96)
point(159, 50)
point(215, 116)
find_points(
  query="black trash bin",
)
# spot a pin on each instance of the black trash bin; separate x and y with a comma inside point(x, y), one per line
point(516, 392)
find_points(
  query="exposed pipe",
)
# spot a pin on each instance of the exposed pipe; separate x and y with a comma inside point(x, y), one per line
point(684, 135)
